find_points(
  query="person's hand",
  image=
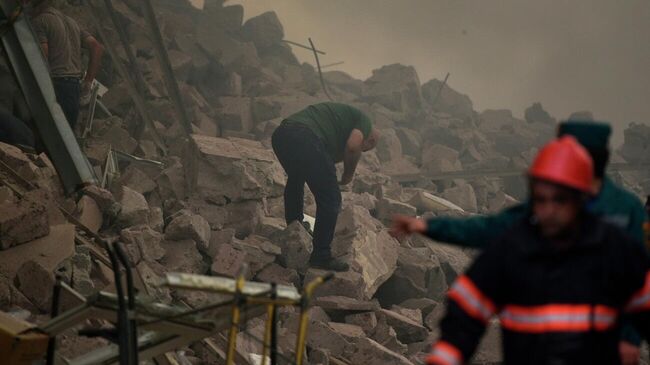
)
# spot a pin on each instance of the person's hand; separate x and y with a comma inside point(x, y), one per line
point(345, 180)
point(405, 225)
point(630, 354)
point(84, 94)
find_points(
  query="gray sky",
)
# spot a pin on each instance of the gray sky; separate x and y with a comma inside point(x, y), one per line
point(568, 54)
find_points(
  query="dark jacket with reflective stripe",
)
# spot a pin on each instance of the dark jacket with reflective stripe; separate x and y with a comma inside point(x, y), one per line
point(555, 307)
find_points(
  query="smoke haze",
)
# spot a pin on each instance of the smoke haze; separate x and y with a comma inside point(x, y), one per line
point(569, 55)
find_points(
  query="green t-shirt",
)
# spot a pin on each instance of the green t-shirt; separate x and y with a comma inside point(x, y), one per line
point(333, 123)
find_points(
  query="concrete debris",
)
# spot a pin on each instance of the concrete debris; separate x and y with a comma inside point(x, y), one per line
point(145, 241)
point(447, 100)
point(36, 283)
point(386, 208)
point(135, 209)
point(89, 213)
point(215, 201)
point(183, 256)
point(264, 30)
point(225, 170)
point(186, 225)
point(22, 220)
point(368, 248)
point(368, 351)
point(296, 245)
point(462, 195)
point(396, 87)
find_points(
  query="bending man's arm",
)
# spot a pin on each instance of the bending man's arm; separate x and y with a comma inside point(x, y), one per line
point(351, 156)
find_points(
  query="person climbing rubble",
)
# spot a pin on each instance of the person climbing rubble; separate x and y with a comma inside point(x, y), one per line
point(308, 144)
point(61, 39)
point(615, 204)
point(561, 279)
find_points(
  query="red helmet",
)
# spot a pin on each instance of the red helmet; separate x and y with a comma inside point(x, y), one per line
point(565, 162)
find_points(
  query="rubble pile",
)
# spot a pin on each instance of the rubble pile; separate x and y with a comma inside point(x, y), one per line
point(215, 201)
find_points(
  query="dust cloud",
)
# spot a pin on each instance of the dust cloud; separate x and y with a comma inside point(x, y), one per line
point(569, 55)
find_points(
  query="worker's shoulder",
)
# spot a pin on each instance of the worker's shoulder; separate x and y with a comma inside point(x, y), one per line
point(517, 236)
point(622, 195)
point(617, 241)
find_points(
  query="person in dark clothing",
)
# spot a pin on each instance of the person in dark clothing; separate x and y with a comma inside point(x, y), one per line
point(14, 131)
point(308, 144)
point(613, 203)
point(61, 40)
point(561, 280)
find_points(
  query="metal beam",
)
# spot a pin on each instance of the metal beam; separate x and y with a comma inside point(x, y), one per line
point(30, 69)
point(166, 66)
point(138, 101)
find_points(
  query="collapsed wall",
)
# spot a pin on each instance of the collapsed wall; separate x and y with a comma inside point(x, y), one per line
point(215, 201)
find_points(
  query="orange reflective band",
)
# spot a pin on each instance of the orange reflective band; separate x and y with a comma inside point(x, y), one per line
point(558, 318)
point(445, 353)
point(471, 299)
point(641, 300)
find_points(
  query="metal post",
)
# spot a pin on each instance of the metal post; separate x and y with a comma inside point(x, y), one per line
point(165, 65)
point(132, 325)
point(435, 100)
point(56, 298)
point(320, 73)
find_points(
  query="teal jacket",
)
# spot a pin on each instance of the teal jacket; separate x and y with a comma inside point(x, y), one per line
point(614, 204)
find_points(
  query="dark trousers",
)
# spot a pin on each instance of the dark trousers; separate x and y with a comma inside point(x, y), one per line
point(68, 91)
point(305, 160)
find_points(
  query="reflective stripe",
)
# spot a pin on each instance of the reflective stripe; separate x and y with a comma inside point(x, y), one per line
point(641, 300)
point(445, 353)
point(558, 318)
point(471, 300)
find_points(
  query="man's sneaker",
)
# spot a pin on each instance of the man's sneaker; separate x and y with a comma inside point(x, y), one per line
point(329, 263)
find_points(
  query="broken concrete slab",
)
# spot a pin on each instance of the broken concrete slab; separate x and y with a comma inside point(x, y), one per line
point(426, 202)
point(227, 260)
point(296, 245)
point(368, 351)
point(395, 86)
point(137, 180)
point(437, 158)
point(135, 209)
point(349, 284)
point(414, 315)
point(183, 256)
point(36, 283)
point(225, 170)
point(410, 141)
point(146, 240)
point(463, 196)
point(186, 225)
point(52, 249)
point(264, 30)
point(387, 208)
point(340, 303)
point(407, 330)
point(89, 213)
point(274, 273)
point(366, 320)
point(235, 113)
point(389, 146)
point(22, 220)
point(366, 246)
point(270, 226)
point(445, 99)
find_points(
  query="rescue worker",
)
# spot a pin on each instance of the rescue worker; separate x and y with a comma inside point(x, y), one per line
point(61, 40)
point(308, 144)
point(561, 280)
point(613, 203)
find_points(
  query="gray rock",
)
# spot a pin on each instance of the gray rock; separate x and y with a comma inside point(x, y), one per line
point(135, 209)
point(368, 351)
point(186, 225)
point(296, 245)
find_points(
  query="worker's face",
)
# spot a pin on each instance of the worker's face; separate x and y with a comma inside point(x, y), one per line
point(555, 208)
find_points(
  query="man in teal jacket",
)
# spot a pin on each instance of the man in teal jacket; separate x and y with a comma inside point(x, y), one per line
point(613, 203)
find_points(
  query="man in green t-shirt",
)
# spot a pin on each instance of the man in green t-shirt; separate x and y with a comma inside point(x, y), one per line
point(308, 144)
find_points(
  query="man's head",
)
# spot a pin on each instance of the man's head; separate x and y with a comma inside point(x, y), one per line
point(560, 181)
point(593, 136)
point(370, 142)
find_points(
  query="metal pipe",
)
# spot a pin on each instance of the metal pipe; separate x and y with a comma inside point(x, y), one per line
point(56, 296)
point(320, 73)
